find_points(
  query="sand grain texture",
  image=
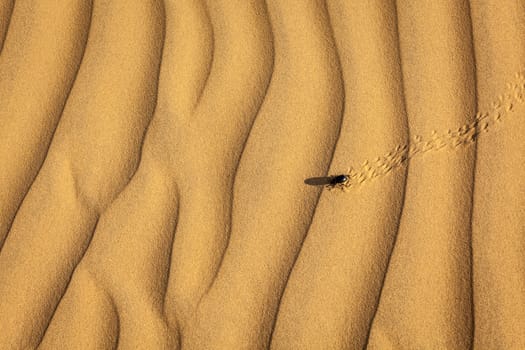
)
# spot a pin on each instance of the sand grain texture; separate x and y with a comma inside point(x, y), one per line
point(157, 160)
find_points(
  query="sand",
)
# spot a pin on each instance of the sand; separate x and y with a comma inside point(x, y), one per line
point(158, 159)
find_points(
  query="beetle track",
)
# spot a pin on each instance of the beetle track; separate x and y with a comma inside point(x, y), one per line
point(464, 135)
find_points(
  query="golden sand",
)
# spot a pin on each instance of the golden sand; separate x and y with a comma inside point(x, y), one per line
point(156, 154)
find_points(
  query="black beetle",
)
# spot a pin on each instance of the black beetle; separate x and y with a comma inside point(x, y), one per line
point(338, 181)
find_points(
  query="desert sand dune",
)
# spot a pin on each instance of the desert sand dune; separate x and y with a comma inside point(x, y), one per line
point(6, 10)
point(92, 156)
point(498, 221)
point(425, 300)
point(156, 154)
point(38, 65)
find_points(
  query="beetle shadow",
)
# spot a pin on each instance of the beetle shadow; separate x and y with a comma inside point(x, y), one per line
point(318, 181)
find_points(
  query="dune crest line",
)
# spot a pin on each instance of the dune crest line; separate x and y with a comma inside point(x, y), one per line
point(464, 135)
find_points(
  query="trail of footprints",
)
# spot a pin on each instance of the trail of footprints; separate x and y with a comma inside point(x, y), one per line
point(466, 134)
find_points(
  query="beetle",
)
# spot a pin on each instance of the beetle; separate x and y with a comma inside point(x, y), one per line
point(339, 181)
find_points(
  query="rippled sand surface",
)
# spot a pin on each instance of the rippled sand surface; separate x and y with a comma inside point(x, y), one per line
point(164, 167)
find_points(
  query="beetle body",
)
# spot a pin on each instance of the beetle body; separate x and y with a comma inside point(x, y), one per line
point(339, 181)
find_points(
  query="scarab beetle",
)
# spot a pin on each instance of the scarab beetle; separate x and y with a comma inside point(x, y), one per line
point(339, 181)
